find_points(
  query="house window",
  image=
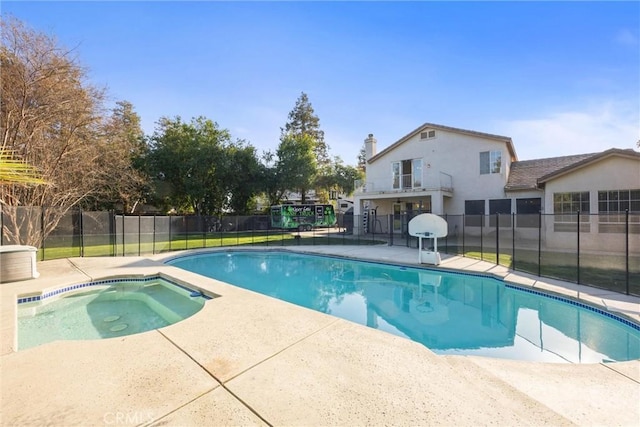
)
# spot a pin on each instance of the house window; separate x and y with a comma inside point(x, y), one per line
point(490, 162)
point(395, 172)
point(406, 174)
point(417, 173)
point(528, 212)
point(565, 209)
point(612, 207)
point(502, 207)
point(429, 134)
point(474, 213)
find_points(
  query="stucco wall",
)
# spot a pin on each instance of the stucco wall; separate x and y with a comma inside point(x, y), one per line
point(613, 173)
point(453, 153)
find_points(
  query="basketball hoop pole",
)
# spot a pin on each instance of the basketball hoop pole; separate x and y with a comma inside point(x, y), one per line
point(429, 226)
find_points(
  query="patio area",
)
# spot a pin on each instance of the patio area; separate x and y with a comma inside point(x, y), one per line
point(247, 359)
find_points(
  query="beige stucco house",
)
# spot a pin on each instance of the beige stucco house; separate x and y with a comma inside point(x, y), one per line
point(451, 171)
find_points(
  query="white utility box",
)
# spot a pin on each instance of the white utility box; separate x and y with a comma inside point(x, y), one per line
point(17, 262)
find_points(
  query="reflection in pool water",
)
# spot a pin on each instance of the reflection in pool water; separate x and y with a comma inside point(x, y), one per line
point(450, 313)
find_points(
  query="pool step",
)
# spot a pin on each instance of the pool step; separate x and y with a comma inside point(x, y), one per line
point(172, 306)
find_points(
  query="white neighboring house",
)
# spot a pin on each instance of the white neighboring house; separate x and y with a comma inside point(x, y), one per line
point(343, 205)
point(451, 171)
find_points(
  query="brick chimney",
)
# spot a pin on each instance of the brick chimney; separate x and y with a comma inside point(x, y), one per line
point(370, 147)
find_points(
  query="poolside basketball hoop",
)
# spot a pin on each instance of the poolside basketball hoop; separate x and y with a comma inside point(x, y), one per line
point(428, 226)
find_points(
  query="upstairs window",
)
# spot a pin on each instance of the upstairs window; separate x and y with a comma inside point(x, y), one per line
point(428, 134)
point(406, 174)
point(395, 174)
point(417, 173)
point(490, 162)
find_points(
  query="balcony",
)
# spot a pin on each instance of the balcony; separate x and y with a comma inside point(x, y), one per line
point(405, 183)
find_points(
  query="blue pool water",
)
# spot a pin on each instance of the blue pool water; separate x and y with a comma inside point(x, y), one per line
point(104, 309)
point(450, 313)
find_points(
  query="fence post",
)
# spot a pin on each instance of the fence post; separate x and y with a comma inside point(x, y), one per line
point(153, 245)
point(170, 238)
point(329, 235)
point(139, 234)
point(626, 229)
point(123, 236)
point(513, 241)
point(42, 230)
point(578, 251)
point(113, 233)
point(446, 238)
point(372, 220)
point(464, 220)
point(204, 232)
point(497, 238)
point(81, 233)
point(482, 237)
point(253, 229)
point(403, 227)
point(539, 243)
point(237, 232)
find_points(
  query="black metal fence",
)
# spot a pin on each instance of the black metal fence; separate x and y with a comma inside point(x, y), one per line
point(595, 250)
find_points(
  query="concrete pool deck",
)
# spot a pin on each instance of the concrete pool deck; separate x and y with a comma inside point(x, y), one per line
point(247, 359)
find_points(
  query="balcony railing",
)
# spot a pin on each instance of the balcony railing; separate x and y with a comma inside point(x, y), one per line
point(440, 182)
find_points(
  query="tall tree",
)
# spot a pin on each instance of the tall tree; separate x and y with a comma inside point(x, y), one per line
point(242, 175)
point(184, 159)
point(199, 169)
point(362, 158)
point(50, 118)
point(345, 177)
point(122, 152)
point(296, 166)
point(304, 121)
point(272, 183)
point(339, 177)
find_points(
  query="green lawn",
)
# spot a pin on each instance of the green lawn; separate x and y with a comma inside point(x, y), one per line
point(607, 272)
point(601, 271)
point(67, 248)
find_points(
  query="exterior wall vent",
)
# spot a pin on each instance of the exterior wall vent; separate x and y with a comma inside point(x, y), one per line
point(429, 134)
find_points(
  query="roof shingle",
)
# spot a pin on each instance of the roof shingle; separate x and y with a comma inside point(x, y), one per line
point(524, 174)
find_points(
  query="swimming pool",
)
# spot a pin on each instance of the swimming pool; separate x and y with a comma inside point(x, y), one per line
point(104, 309)
point(450, 313)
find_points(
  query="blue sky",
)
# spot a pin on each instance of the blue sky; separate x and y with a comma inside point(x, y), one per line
point(559, 78)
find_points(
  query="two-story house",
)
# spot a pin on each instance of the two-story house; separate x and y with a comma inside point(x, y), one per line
point(451, 171)
point(436, 169)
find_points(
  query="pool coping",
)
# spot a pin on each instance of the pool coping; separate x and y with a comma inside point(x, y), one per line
point(228, 382)
point(620, 314)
